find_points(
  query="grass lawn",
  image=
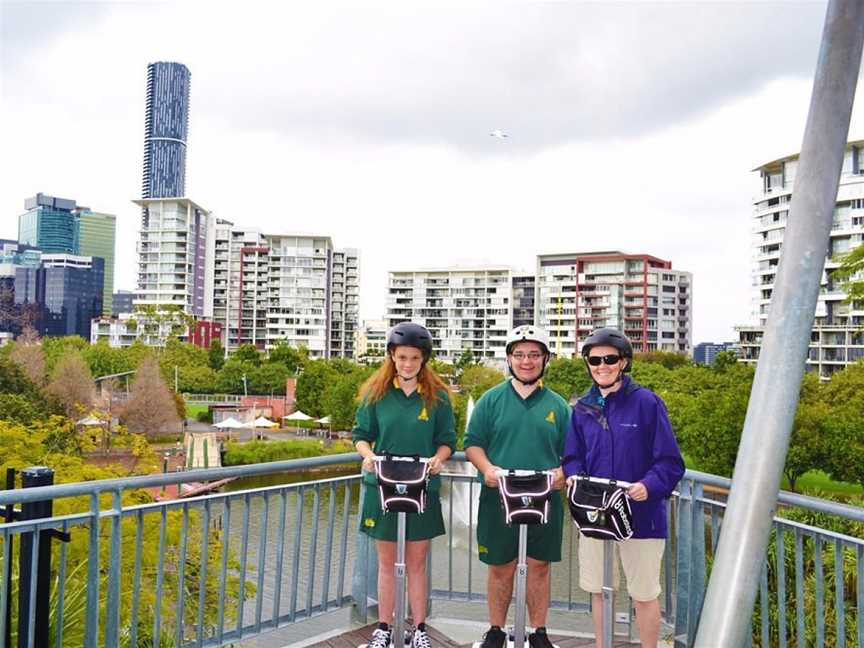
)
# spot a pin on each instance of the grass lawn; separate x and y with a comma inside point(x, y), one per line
point(812, 482)
point(193, 410)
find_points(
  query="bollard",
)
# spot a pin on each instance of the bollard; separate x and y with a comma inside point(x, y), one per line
point(31, 477)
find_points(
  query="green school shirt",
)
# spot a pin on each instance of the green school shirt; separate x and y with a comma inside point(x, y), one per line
point(401, 424)
point(519, 433)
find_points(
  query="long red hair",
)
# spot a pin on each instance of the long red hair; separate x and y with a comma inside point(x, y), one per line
point(429, 384)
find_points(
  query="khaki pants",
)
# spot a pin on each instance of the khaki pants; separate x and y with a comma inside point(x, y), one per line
point(640, 558)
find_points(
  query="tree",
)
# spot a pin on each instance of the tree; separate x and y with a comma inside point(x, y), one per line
point(269, 378)
point(477, 379)
point(229, 379)
point(851, 274)
point(465, 360)
point(285, 354)
point(105, 360)
point(312, 384)
point(340, 401)
point(57, 347)
point(151, 407)
point(724, 360)
point(216, 355)
point(28, 354)
point(72, 384)
point(567, 377)
point(667, 359)
point(247, 353)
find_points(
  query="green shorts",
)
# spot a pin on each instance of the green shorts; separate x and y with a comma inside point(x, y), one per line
point(377, 524)
point(498, 544)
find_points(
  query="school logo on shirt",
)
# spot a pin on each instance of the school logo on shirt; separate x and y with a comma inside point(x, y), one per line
point(369, 522)
point(550, 417)
point(423, 415)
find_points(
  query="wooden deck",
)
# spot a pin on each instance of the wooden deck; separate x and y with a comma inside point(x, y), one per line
point(355, 638)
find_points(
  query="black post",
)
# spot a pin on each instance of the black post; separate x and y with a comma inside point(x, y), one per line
point(31, 477)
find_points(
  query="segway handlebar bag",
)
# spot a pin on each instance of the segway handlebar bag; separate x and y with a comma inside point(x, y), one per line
point(402, 482)
point(525, 496)
point(600, 508)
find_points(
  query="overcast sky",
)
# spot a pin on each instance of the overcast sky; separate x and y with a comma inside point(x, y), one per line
point(632, 126)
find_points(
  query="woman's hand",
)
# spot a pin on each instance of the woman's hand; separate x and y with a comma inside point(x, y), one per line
point(638, 492)
point(369, 463)
point(435, 465)
point(490, 477)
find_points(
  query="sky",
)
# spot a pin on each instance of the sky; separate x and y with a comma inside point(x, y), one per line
point(631, 126)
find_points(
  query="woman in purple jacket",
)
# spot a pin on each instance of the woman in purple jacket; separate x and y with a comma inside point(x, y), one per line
point(620, 430)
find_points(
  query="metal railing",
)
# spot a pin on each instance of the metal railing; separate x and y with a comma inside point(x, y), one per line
point(214, 569)
point(213, 399)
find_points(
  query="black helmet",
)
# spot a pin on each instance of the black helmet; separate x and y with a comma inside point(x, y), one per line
point(410, 334)
point(609, 337)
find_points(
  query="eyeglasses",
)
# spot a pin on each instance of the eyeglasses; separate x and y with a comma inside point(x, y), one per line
point(610, 359)
point(534, 356)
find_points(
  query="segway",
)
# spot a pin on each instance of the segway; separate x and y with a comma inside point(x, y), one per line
point(525, 500)
point(601, 510)
point(402, 482)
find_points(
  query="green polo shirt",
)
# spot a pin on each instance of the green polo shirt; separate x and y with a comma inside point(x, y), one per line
point(401, 424)
point(520, 433)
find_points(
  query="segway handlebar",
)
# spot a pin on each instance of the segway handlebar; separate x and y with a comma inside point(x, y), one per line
point(522, 473)
point(600, 480)
point(380, 458)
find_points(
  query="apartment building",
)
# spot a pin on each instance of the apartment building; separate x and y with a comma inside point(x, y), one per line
point(637, 293)
point(836, 339)
point(463, 308)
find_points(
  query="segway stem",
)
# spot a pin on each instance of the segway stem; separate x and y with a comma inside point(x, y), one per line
point(608, 594)
point(521, 584)
point(398, 635)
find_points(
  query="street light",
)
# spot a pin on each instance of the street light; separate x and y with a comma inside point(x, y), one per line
point(245, 390)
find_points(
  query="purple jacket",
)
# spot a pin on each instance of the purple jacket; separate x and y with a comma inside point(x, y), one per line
point(628, 437)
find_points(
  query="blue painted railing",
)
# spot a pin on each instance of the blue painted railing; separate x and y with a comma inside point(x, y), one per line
point(217, 568)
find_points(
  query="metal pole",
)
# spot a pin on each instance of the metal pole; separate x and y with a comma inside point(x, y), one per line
point(30, 477)
point(9, 515)
point(725, 619)
point(521, 582)
point(398, 636)
point(608, 594)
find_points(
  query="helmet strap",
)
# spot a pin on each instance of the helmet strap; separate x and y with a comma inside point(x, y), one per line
point(528, 383)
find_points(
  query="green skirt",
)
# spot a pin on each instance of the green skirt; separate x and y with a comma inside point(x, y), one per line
point(377, 524)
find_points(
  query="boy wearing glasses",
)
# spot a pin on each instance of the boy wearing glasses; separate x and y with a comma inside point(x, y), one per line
point(518, 424)
point(620, 430)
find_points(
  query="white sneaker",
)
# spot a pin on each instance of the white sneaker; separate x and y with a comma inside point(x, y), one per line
point(420, 639)
point(380, 639)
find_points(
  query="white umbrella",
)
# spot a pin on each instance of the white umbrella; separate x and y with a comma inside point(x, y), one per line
point(230, 422)
point(297, 416)
point(90, 421)
point(325, 420)
point(263, 422)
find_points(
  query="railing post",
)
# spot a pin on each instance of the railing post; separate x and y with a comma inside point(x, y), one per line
point(365, 577)
point(30, 477)
point(683, 564)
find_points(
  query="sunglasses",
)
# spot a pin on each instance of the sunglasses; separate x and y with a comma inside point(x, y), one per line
point(596, 361)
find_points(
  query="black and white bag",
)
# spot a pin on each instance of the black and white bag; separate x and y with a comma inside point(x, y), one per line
point(600, 511)
point(402, 482)
point(525, 498)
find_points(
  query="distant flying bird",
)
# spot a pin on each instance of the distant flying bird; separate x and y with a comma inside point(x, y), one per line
point(498, 133)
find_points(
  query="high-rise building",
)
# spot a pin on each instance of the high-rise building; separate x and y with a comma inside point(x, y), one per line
point(166, 125)
point(13, 256)
point(272, 287)
point(705, 353)
point(48, 224)
point(837, 338)
point(463, 308)
point(344, 302)
point(95, 236)
point(637, 293)
point(176, 256)
point(121, 302)
point(68, 290)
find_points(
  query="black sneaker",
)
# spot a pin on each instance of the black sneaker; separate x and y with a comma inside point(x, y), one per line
point(539, 639)
point(495, 637)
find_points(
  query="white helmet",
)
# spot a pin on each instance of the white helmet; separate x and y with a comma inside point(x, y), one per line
point(528, 333)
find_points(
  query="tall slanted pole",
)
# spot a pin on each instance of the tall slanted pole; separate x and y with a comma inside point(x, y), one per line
point(726, 614)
